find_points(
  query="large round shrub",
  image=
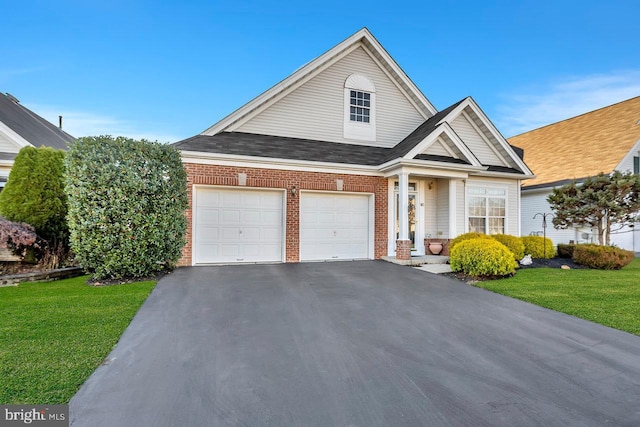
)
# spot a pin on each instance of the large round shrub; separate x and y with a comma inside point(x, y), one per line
point(467, 236)
point(513, 243)
point(482, 257)
point(127, 201)
point(538, 246)
point(602, 257)
point(34, 193)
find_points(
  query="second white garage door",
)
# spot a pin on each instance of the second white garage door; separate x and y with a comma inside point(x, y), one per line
point(334, 226)
point(237, 225)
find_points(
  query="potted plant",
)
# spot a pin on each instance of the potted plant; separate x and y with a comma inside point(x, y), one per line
point(435, 247)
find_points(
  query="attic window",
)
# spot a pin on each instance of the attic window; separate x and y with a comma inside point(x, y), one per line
point(360, 103)
point(359, 108)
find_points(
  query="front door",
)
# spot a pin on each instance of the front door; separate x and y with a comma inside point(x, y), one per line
point(412, 212)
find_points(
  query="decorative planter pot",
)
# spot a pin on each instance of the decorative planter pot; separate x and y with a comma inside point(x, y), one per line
point(435, 248)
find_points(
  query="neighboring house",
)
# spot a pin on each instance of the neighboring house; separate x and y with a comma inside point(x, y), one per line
point(603, 140)
point(346, 159)
point(21, 127)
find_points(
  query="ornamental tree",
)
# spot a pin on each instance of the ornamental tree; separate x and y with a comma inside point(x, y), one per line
point(604, 202)
point(127, 200)
point(35, 195)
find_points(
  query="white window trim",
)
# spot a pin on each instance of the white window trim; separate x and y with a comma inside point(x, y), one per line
point(469, 187)
point(360, 131)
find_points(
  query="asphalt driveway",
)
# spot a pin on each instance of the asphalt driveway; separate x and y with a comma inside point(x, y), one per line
point(355, 344)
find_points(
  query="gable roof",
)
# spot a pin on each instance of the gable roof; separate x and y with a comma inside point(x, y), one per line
point(308, 71)
point(31, 127)
point(581, 146)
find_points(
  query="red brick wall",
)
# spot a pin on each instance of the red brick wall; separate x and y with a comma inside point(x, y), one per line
point(270, 178)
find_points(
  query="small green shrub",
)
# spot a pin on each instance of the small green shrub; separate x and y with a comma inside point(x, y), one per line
point(602, 257)
point(566, 250)
point(538, 247)
point(127, 202)
point(513, 243)
point(35, 193)
point(467, 236)
point(482, 257)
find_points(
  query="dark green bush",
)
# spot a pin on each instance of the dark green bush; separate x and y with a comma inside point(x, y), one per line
point(566, 250)
point(127, 201)
point(538, 247)
point(602, 257)
point(513, 243)
point(467, 236)
point(482, 257)
point(34, 193)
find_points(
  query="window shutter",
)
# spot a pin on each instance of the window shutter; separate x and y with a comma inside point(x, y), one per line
point(636, 165)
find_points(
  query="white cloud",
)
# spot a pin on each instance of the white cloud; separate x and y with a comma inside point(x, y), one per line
point(82, 123)
point(565, 99)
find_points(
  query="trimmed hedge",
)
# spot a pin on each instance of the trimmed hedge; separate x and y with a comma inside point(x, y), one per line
point(127, 202)
point(535, 246)
point(565, 250)
point(467, 236)
point(513, 243)
point(602, 257)
point(482, 257)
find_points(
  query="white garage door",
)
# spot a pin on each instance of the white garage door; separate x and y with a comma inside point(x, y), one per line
point(237, 226)
point(334, 226)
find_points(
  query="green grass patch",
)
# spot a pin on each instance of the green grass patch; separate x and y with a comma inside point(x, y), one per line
point(611, 298)
point(55, 334)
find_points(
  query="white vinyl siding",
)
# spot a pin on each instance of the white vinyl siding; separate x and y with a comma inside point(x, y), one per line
point(315, 110)
point(626, 165)
point(7, 146)
point(535, 202)
point(475, 142)
point(437, 149)
point(430, 209)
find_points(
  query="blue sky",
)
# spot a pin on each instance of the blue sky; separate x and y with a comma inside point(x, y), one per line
point(168, 70)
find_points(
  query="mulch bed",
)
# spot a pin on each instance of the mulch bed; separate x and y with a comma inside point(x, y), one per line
point(537, 263)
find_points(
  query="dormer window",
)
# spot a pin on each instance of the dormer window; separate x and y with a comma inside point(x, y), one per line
point(359, 108)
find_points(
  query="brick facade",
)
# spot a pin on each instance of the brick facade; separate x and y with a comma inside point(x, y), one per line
point(403, 249)
point(202, 174)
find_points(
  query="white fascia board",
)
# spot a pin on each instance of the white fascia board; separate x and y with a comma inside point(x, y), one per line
point(399, 71)
point(504, 175)
point(427, 167)
point(204, 158)
point(443, 128)
point(498, 136)
point(13, 136)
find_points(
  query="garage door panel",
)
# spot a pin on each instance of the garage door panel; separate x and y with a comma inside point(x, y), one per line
point(237, 225)
point(334, 226)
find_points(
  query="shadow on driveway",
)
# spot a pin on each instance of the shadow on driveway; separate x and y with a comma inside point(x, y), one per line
point(355, 344)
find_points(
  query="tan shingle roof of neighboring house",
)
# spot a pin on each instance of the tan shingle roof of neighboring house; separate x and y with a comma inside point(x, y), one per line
point(581, 146)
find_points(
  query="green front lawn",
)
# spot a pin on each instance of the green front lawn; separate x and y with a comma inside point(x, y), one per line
point(611, 298)
point(54, 335)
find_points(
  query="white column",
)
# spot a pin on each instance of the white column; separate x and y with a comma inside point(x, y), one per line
point(453, 209)
point(403, 208)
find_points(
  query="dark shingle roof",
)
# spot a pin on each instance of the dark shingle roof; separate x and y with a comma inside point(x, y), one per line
point(33, 128)
point(249, 144)
point(420, 133)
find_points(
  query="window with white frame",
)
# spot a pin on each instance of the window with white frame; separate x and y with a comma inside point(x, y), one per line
point(487, 210)
point(359, 108)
